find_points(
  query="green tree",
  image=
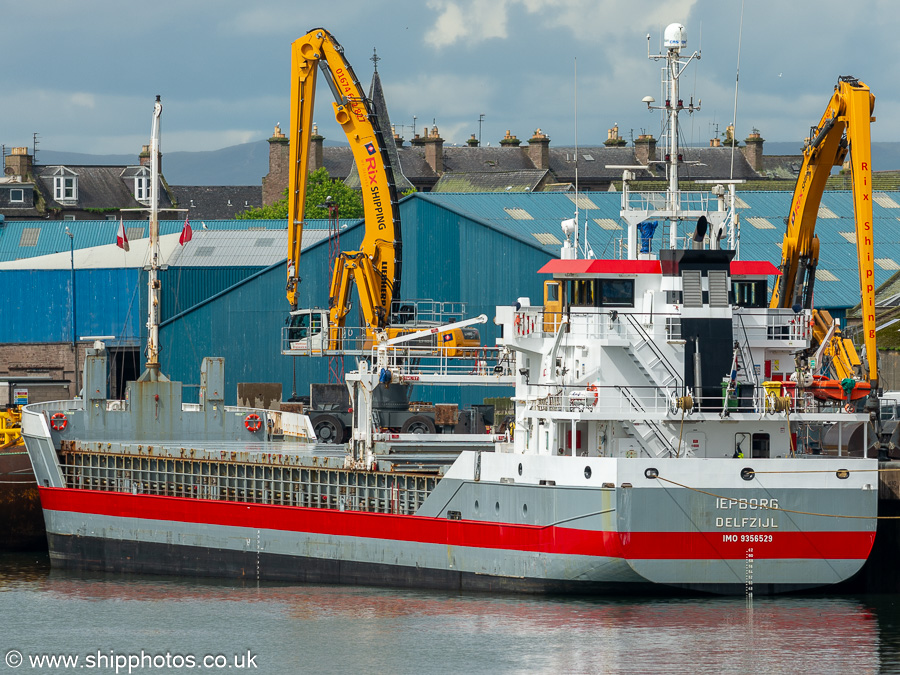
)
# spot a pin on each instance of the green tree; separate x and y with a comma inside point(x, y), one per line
point(319, 186)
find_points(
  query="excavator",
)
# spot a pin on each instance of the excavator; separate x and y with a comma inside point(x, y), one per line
point(375, 268)
point(844, 127)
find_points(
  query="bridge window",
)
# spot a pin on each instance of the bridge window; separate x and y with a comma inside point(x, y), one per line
point(601, 293)
point(750, 293)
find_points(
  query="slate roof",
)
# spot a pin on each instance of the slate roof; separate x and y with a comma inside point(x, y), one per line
point(704, 163)
point(782, 166)
point(99, 187)
point(216, 202)
point(491, 181)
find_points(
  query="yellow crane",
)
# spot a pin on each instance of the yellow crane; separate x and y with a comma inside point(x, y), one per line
point(375, 268)
point(844, 127)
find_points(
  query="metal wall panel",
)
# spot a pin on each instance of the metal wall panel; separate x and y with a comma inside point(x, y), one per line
point(38, 305)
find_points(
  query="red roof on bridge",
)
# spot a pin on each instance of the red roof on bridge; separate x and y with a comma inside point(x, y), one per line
point(739, 268)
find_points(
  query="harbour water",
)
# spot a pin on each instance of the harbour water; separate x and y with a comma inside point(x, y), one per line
point(146, 624)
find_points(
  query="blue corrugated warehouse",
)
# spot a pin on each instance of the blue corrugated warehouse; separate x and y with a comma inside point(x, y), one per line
point(484, 250)
point(481, 249)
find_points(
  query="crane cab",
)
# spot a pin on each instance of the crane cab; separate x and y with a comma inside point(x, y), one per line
point(307, 331)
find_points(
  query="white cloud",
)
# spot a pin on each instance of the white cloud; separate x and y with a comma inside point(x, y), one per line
point(472, 21)
point(83, 100)
point(476, 21)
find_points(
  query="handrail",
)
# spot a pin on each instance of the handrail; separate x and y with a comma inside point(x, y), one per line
point(656, 351)
point(635, 402)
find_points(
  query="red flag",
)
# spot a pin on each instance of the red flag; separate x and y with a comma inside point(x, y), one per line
point(121, 239)
point(186, 232)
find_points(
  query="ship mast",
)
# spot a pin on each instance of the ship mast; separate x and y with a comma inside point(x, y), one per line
point(674, 40)
point(152, 366)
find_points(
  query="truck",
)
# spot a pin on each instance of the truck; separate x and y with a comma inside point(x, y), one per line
point(331, 414)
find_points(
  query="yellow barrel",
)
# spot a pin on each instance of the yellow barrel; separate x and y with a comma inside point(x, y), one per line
point(772, 388)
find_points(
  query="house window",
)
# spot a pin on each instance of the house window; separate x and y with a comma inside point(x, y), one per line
point(65, 188)
point(16, 195)
point(142, 188)
point(68, 217)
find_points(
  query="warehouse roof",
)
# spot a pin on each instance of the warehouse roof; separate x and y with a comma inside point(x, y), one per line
point(45, 244)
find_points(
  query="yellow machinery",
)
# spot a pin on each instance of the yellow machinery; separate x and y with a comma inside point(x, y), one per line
point(375, 268)
point(10, 427)
point(845, 126)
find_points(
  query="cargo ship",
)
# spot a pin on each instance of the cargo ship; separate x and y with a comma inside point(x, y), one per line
point(658, 443)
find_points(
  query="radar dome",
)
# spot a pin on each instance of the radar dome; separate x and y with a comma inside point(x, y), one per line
point(675, 37)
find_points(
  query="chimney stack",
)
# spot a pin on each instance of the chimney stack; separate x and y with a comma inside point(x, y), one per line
point(539, 150)
point(398, 139)
point(472, 142)
point(753, 150)
point(613, 140)
point(19, 163)
point(316, 150)
point(434, 150)
point(144, 157)
point(274, 183)
point(645, 149)
point(509, 141)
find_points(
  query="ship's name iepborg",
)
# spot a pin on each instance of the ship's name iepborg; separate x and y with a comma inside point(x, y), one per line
point(725, 504)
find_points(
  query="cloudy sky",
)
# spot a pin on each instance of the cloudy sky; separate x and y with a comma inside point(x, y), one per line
point(84, 75)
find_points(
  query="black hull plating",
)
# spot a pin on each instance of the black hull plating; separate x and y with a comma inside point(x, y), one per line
point(94, 554)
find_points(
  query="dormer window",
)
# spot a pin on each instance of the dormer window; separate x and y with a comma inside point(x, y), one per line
point(65, 184)
point(142, 185)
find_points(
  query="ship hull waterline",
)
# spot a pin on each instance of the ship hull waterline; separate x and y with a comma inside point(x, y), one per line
point(125, 533)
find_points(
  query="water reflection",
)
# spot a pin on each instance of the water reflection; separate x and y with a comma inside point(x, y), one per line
point(343, 628)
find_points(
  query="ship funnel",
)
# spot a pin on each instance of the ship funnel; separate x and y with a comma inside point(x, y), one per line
point(699, 233)
point(675, 37)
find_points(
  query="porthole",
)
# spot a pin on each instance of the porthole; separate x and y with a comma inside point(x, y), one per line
point(520, 468)
point(587, 472)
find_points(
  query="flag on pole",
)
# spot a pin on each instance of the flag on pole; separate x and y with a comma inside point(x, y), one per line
point(121, 239)
point(186, 232)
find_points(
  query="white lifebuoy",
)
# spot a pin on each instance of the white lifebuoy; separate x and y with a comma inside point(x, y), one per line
point(59, 421)
point(253, 422)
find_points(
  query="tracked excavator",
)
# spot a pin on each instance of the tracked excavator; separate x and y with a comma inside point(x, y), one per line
point(838, 372)
point(374, 270)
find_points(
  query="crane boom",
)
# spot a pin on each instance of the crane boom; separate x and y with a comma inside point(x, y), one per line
point(377, 264)
point(845, 126)
point(374, 270)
